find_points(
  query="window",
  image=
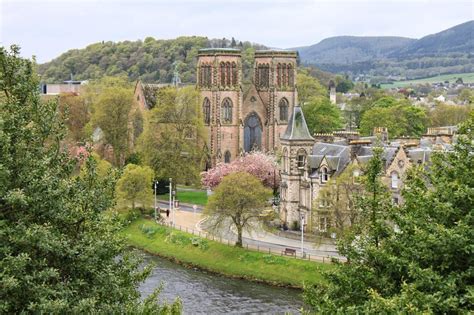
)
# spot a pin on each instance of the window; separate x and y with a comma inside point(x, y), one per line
point(222, 73)
point(284, 76)
point(234, 73)
point(228, 74)
point(206, 110)
point(279, 74)
point(323, 224)
point(205, 75)
point(227, 157)
point(285, 160)
point(262, 75)
point(301, 159)
point(291, 75)
point(283, 109)
point(395, 200)
point(324, 175)
point(394, 176)
point(227, 110)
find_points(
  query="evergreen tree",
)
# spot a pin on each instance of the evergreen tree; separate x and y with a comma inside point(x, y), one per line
point(60, 251)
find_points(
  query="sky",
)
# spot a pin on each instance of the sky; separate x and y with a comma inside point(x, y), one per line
point(47, 28)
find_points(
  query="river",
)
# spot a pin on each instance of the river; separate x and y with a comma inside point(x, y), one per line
point(205, 293)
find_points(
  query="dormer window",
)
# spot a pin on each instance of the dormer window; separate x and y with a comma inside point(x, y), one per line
point(324, 174)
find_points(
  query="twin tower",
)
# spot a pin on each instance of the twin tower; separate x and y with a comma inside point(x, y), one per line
point(240, 118)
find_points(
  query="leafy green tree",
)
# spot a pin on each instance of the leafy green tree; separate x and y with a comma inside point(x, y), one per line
point(240, 198)
point(449, 115)
point(321, 115)
point(419, 258)
point(112, 101)
point(134, 185)
point(173, 140)
point(75, 113)
point(309, 87)
point(61, 252)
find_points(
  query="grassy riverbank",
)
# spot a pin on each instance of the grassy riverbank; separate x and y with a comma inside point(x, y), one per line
point(223, 259)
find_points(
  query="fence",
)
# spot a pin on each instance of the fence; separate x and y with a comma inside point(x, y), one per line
point(263, 249)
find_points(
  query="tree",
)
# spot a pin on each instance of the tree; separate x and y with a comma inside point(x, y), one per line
point(173, 142)
point(262, 166)
point(61, 251)
point(76, 115)
point(419, 258)
point(112, 101)
point(448, 115)
point(322, 116)
point(308, 87)
point(240, 197)
point(134, 185)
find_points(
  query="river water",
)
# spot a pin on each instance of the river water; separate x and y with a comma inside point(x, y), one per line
point(205, 293)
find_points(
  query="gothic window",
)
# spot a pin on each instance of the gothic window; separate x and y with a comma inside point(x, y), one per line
point(234, 73)
point(279, 75)
point(252, 133)
point(283, 109)
point(227, 157)
point(205, 75)
point(227, 110)
point(324, 174)
point(263, 73)
point(291, 76)
point(284, 76)
point(394, 176)
point(285, 160)
point(222, 72)
point(206, 110)
point(227, 74)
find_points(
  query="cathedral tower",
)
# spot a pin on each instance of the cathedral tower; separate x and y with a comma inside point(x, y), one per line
point(219, 77)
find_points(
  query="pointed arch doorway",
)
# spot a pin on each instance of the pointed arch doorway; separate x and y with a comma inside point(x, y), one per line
point(252, 133)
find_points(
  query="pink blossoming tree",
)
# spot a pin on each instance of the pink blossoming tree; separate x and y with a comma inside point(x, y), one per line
point(261, 165)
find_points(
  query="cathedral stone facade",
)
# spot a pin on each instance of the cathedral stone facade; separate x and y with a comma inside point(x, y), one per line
point(238, 121)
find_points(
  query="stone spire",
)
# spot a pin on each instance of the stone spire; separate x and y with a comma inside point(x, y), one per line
point(297, 128)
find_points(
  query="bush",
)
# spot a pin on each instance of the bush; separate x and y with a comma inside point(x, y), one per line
point(200, 243)
point(274, 260)
point(178, 239)
point(248, 257)
point(150, 231)
point(295, 225)
point(131, 216)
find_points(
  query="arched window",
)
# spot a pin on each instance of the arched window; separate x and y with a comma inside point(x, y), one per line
point(263, 73)
point(279, 75)
point(324, 174)
point(284, 77)
point(301, 156)
point(234, 73)
point(227, 157)
point(206, 110)
point(227, 110)
point(291, 76)
point(228, 74)
point(283, 109)
point(222, 72)
point(285, 160)
point(394, 176)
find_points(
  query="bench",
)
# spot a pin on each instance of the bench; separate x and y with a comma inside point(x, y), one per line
point(289, 251)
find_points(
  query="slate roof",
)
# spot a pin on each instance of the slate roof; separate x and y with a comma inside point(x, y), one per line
point(337, 156)
point(297, 128)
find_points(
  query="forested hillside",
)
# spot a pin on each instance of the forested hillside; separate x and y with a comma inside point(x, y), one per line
point(150, 60)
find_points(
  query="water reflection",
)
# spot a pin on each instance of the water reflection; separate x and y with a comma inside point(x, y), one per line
point(204, 293)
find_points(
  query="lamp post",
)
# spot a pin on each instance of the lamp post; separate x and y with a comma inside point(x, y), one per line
point(171, 189)
point(154, 186)
point(303, 254)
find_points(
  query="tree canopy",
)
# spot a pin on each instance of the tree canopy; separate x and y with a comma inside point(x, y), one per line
point(134, 186)
point(60, 252)
point(322, 116)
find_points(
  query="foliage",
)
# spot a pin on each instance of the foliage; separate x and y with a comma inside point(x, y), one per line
point(449, 115)
point(151, 60)
point(172, 143)
point(339, 199)
point(112, 103)
point(240, 197)
point(419, 258)
point(61, 252)
point(261, 165)
point(135, 185)
point(399, 116)
point(76, 115)
point(308, 87)
point(322, 116)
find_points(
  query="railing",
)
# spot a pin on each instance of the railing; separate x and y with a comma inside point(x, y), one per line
point(258, 248)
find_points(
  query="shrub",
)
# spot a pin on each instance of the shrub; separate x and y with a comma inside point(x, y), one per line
point(248, 257)
point(274, 260)
point(200, 243)
point(178, 239)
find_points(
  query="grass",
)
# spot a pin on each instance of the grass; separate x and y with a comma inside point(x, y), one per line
point(467, 78)
point(222, 259)
point(192, 197)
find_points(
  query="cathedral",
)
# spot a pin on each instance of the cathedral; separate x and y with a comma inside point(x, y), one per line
point(239, 121)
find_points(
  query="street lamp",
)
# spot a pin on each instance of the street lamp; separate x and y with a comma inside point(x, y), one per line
point(303, 254)
point(155, 184)
point(171, 188)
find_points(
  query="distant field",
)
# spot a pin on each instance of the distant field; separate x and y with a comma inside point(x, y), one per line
point(466, 77)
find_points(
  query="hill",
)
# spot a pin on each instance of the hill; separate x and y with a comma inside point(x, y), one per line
point(150, 60)
point(449, 51)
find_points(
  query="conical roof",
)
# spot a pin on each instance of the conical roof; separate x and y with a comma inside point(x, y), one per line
point(297, 128)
